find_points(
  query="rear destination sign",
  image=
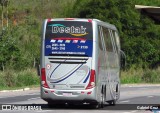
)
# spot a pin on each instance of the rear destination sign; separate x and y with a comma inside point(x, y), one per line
point(69, 37)
point(75, 31)
point(72, 47)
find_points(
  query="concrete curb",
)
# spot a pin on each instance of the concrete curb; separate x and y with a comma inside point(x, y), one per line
point(139, 85)
point(17, 90)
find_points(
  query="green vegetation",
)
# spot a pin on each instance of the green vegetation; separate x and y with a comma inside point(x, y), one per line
point(140, 76)
point(20, 41)
point(11, 78)
point(140, 37)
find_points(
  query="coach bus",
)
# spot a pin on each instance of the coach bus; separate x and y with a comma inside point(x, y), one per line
point(80, 62)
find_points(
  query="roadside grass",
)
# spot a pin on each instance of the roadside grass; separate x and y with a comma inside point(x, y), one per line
point(140, 76)
point(10, 79)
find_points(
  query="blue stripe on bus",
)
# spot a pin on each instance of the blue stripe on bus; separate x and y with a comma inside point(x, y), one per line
point(57, 25)
point(67, 76)
point(55, 69)
point(87, 77)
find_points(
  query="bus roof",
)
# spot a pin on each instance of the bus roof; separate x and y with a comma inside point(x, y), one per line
point(85, 20)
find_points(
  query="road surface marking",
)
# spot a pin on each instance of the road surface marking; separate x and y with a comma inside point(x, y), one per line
point(40, 111)
point(20, 95)
point(143, 88)
point(11, 96)
point(46, 111)
point(124, 101)
point(150, 96)
point(33, 93)
point(131, 111)
point(34, 98)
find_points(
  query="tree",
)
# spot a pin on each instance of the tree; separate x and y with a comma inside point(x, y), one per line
point(138, 33)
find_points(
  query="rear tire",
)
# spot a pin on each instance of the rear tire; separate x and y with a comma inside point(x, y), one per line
point(112, 102)
point(102, 102)
point(55, 105)
point(51, 105)
point(103, 97)
point(95, 106)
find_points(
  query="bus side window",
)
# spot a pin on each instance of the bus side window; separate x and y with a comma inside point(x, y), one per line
point(101, 47)
point(112, 32)
point(117, 40)
point(107, 39)
point(100, 38)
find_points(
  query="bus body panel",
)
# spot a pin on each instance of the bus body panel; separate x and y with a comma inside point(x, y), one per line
point(68, 75)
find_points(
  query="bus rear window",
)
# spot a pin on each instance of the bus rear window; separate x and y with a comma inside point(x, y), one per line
point(69, 29)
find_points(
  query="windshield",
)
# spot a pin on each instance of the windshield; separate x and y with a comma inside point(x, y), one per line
point(69, 29)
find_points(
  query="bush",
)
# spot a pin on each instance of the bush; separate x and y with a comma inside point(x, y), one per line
point(140, 76)
point(131, 75)
point(27, 77)
point(11, 78)
point(2, 80)
point(151, 76)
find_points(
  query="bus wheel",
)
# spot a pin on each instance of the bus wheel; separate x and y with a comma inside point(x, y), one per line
point(103, 96)
point(51, 105)
point(95, 106)
point(117, 92)
point(55, 105)
point(112, 102)
point(102, 102)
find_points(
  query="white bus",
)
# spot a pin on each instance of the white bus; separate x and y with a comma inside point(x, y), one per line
point(80, 62)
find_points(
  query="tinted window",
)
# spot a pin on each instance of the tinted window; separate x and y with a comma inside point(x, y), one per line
point(107, 39)
point(115, 41)
point(69, 29)
point(100, 37)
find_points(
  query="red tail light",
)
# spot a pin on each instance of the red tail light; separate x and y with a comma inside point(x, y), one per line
point(89, 20)
point(91, 83)
point(88, 93)
point(69, 18)
point(49, 20)
point(43, 78)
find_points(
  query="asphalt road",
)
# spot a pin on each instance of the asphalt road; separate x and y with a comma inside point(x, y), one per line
point(133, 97)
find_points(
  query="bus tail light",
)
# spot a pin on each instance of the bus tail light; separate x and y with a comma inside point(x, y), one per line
point(43, 78)
point(91, 83)
point(49, 20)
point(90, 20)
point(69, 18)
point(88, 93)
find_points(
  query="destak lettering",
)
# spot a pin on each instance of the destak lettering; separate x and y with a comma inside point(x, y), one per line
point(75, 31)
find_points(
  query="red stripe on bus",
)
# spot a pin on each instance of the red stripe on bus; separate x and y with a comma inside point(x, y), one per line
point(63, 38)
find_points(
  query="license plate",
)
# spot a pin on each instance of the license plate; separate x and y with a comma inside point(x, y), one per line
point(67, 94)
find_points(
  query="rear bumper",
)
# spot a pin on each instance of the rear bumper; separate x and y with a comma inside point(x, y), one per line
point(73, 96)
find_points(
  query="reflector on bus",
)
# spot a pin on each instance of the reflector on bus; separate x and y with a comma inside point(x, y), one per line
point(43, 78)
point(91, 83)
